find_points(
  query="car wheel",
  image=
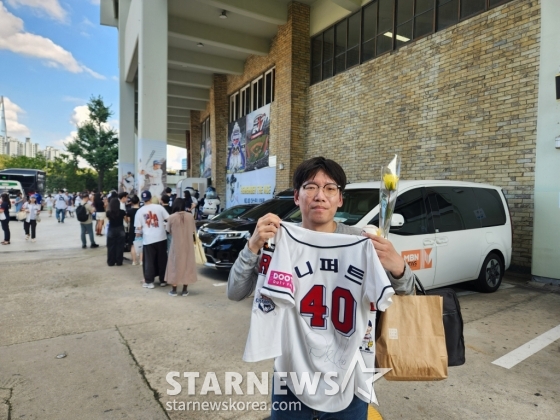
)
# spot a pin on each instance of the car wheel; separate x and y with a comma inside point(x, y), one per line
point(491, 274)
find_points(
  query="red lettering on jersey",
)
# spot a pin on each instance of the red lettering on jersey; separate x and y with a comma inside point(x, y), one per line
point(372, 307)
point(265, 262)
point(151, 219)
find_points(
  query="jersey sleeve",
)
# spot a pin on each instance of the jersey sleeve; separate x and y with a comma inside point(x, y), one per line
point(279, 282)
point(265, 339)
point(378, 286)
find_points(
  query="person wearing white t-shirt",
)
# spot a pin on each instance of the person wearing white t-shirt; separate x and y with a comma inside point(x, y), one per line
point(49, 201)
point(149, 223)
point(318, 186)
point(60, 204)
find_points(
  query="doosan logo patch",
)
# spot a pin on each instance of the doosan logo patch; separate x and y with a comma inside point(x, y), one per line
point(283, 280)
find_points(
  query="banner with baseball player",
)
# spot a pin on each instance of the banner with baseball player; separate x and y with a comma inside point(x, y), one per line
point(127, 181)
point(236, 146)
point(152, 166)
point(257, 138)
point(250, 187)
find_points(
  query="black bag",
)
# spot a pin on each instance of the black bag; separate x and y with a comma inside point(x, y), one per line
point(81, 213)
point(452, 323)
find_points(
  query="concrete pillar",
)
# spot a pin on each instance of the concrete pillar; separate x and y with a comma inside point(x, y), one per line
point(218, 129)
point(127, 141)
point(152, 96)
point(546, 229)
point(292, 80)
point(194, 152)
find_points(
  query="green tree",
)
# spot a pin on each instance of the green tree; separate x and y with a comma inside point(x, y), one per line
point(96, 142)
point(38, 162)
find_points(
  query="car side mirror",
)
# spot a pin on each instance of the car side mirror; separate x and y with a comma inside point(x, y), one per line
point(397, 220)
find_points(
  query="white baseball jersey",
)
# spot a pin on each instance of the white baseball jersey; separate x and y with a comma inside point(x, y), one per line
point(322, 290)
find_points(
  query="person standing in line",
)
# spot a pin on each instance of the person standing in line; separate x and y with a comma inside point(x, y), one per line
point(115, 234)
point(123, 198)
point(181, 264)
point(49, 201)
point(5, 206)
point(149, 223)
point(189, 202)
point(130, 215)
point(165, 204)
point(87, 226)
point(60, 203)
point(32, 208)
point(172, 196)
point(99, 213)
point(19, 202)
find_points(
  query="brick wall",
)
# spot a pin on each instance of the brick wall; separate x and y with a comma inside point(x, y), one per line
point(219, 104)
point(196, 133)
point(290, 54)
point(460, 104)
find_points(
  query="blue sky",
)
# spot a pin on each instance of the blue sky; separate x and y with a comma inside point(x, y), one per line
point(54, 55)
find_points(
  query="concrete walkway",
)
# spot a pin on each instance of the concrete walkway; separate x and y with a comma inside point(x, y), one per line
point(120, 341)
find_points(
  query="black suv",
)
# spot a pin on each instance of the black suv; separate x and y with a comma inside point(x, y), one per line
point(223, 240)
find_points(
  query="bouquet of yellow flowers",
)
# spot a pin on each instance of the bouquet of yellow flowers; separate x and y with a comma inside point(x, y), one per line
point(390, 176)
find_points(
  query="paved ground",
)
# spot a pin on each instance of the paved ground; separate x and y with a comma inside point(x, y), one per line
point(119, 341)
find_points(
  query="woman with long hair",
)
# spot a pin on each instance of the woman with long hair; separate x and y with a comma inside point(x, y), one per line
point(32, 209)
point(5, 206)
point(115, 234)
point(181, 264)
point(99, 213)
point(189, 202)
point(130, 215)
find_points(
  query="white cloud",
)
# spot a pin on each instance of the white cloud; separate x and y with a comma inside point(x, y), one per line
point(51, 7)
point(73, 99)
point(174, 156)
point(14, 127)
point(96, 2)
point(79, 115)
point(14, 38)
point(87, 22)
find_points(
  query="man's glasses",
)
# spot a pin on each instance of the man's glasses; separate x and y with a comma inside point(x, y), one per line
point(330, 190)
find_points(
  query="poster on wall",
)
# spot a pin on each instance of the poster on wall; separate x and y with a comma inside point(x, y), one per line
point(257, 138)
point(126, 178)
point(206, 150)
point(152, 166)
point(236, 156)
point(250, 187)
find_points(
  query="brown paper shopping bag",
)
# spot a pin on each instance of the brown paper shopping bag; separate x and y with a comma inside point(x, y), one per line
point(199, 255)
point(411, 339)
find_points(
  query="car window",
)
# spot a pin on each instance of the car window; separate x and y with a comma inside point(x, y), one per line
point(232, 213)
point(445, 213)
point(280, 207)
point(412, 206)
point(464, 202)
point(490, 207)
point(355, 205)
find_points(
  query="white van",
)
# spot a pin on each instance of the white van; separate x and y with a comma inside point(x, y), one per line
point(448, 231)
point(11, 188)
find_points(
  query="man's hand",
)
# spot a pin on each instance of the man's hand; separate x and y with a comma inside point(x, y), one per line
point(388, 255)
point(266, 229)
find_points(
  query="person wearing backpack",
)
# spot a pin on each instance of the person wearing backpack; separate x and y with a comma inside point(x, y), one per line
point(83, 214)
